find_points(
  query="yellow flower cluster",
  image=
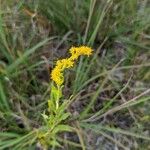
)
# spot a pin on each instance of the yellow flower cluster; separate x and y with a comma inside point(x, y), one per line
point(78, 51)
point(57, 73)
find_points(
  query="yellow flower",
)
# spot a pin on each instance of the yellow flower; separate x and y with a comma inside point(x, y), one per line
point(78, 51)
point(64, 63)
point(57, 73)
point(57, 76)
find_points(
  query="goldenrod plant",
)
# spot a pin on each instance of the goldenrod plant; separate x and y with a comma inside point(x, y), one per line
point(56, 113)
point(106, 97)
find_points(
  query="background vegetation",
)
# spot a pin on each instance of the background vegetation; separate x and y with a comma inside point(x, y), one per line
point(110, 104)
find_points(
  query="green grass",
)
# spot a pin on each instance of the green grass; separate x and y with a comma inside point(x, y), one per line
point(105, 88)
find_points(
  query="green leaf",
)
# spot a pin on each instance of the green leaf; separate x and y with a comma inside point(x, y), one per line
point(45, 116)
point(4, 105)
point(8, 135)
point(64, 116)
point(51, 106)
point(56, 93)
point(62, 108)
point(62, 128)
point(54, 143)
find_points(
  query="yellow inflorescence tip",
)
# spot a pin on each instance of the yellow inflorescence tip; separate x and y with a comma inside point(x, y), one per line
point(61, 65)
point(82, 50)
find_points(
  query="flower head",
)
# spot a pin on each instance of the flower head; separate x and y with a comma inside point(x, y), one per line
point(64, 63)
point(57, 76)
point(78, 51)
point(57, 73)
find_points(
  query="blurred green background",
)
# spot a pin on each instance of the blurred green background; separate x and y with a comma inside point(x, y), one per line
point(35, 33)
